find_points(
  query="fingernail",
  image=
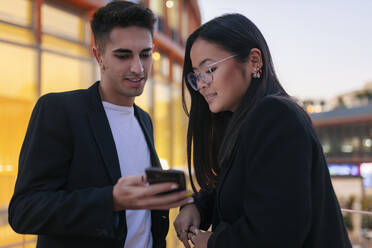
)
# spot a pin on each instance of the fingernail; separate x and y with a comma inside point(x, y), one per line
point(188, 194)
point(191, 200)
point(174, 186)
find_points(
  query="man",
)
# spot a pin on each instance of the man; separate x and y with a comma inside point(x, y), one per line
point(80, 180)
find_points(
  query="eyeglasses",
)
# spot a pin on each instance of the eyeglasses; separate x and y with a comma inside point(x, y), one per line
point(205, 73)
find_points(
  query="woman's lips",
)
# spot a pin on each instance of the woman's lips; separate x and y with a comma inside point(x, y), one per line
point(209, 97)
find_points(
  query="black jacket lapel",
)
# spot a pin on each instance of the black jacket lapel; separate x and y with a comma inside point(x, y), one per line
point(146, 126)
point(103, 135)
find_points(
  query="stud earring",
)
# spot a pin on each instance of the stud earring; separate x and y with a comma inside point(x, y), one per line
point(257, 74)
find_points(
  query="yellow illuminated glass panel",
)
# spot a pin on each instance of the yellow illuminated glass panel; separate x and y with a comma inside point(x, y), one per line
point(157, 6)
point(156, 65)
point(179, 129)
point(172, 6)
point(184, 22)
point(16, 11)
point(177, 73)
point(60, 73)
point(64, 46)
point(16, 34)
point(8, 238)
point(162, 122)
point(14, 115)
point(164, 65)
point(18, 73)
point(60, 22)
point(161, 65)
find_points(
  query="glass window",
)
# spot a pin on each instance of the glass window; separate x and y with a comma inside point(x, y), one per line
point(179, 122)
point(16, 34)
point(60, 73)
point(162, 122)
point(346, 145)
point(355, 140)
point(173, 21)
point(161, 66)
point(185, 22)
point(156, 62)
point(15, 113)
point(177, 73)
point(157, 6)
point(324, 139)
point(16, 11)
point(366, 139)
point(164, 65)
point(337, 140)
point(62, 23)
point(18, 74)
point(64, 46)
point(332, 148)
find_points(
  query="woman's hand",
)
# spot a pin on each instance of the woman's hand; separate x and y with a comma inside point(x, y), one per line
point(199, 238)
point(188, 219)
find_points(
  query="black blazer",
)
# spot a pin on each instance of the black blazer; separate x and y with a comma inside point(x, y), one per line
point(277, 190)
point(67, 168)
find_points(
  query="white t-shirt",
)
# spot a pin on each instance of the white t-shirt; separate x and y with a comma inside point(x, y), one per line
point(134, 157)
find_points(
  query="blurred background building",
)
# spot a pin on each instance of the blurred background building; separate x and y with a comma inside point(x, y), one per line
point(46, 47)
point(344, 127)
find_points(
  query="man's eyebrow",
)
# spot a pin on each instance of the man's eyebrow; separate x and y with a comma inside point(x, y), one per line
point(147, 49)
point(123, 50)
point(202, 62)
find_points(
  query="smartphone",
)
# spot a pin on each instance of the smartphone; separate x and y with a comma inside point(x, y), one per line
point(158, 175)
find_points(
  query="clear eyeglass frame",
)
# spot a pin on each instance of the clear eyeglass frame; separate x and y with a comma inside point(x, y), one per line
point(205, 74)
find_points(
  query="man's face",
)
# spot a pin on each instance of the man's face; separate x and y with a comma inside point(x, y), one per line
point(125, 64)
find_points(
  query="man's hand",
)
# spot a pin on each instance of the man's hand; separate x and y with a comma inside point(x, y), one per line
point(131, 192)
point(187, 219)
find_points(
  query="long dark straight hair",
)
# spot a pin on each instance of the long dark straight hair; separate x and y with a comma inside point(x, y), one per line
point(212, 137)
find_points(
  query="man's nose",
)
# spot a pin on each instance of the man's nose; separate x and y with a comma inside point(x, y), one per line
point(136, 65)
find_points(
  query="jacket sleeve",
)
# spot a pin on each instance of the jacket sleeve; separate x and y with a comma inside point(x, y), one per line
point(204, 202)
point(41, 204)
point(277, 187)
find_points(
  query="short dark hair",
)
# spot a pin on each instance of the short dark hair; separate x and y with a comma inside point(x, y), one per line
point(119, 14)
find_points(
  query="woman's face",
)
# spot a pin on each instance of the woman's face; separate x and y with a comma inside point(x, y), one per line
point(231, 79)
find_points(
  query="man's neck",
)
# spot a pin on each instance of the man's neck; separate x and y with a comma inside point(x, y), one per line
point(115, 99)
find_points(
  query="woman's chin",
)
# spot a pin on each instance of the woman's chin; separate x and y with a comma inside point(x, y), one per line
point(214, 109)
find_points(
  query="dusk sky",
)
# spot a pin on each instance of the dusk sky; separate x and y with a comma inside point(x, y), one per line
point(320, 48)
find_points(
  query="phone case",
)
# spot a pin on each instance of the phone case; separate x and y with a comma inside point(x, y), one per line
point(158, 175)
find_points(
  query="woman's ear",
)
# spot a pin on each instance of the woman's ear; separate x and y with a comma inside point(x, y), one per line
point(255, 57)
point(255, 63)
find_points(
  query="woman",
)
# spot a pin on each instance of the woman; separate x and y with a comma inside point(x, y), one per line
point(263, 177)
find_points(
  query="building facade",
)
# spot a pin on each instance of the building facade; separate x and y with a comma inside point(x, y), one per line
point(346, 138)
point(46, 47)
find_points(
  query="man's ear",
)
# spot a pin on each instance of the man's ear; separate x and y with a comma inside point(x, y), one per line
point(98, 55)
